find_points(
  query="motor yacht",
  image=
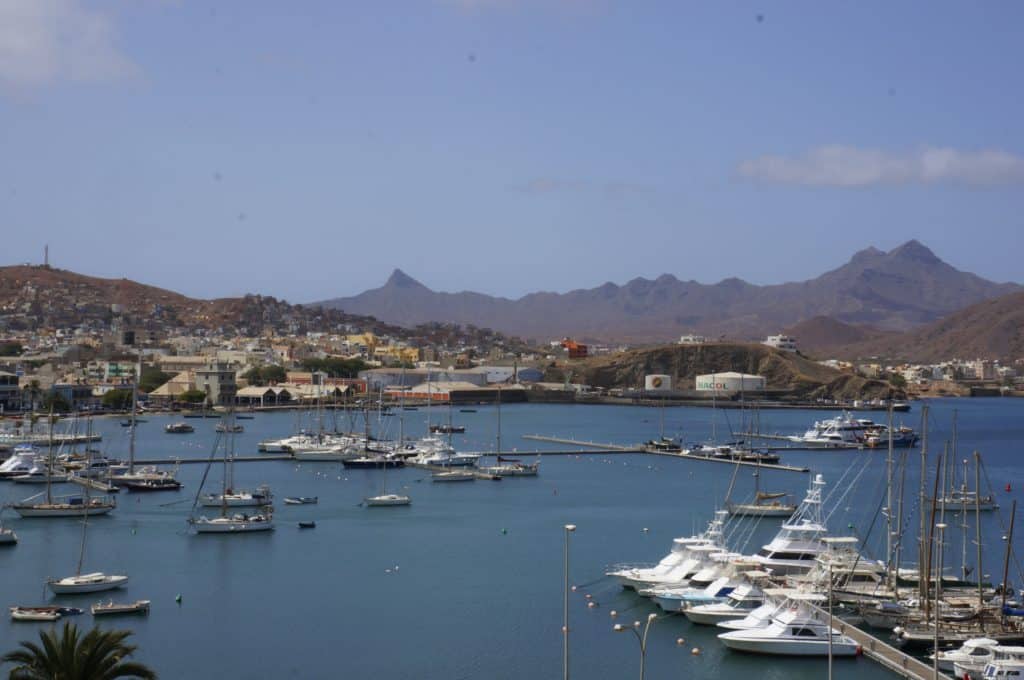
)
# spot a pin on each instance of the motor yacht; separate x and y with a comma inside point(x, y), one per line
point(795, 632)
point(776, 601)
point(799, 541)
point(973, 655)
point(680, 564)
point(743, 600)
point(1006, 662)
point(20, 462)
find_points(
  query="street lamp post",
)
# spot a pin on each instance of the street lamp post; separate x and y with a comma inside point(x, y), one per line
point(641, 638)
point(938, 592)
point(569, 528)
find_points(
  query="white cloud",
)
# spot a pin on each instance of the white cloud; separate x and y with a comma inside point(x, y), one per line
point(42, 41)
point(847, 166)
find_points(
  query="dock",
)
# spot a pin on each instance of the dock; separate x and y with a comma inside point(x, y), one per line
point(898, 662)
point(441, 468)
point(94, 484)
point(596, 447)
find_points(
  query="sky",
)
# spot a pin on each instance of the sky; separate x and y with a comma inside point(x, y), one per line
point(304, 150)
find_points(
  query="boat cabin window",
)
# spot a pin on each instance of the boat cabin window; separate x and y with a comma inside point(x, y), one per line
point(979, 651)
point(804, 632)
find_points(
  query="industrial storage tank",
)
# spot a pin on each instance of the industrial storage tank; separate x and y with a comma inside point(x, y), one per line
point(657, 382)
point(730, 382)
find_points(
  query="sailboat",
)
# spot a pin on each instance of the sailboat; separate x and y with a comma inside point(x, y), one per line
point(766, 504)
point(508, 467)
point(149, 478)
point(236, 523)
point(61, 506)
point(86, 583)
point(384, 499)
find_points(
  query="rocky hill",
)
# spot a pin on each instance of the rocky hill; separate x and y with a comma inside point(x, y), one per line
point(823, 335)
point(896, 290)
point(787, 371)
point(33, 297)
point(993, 329)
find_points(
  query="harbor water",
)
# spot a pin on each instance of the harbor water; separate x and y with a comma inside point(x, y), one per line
point(467, 582)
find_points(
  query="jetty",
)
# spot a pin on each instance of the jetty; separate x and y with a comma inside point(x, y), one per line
point(441, 468)
point(94, 484)
point(595, 447)
point(895, 660)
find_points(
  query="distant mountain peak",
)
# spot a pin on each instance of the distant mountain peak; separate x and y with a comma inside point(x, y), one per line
point(400, 279)
point(915, 250)
point(869, 253)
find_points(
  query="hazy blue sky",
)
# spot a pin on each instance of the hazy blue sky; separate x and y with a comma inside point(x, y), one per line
point(505, 146)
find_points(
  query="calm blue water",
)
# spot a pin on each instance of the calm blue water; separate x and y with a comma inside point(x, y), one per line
point(477, 588)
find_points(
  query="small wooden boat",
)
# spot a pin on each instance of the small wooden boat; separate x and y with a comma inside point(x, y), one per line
point(229, 428)
point(301, 500)
point(111, 607)
point(43, 614)
point(307, 525)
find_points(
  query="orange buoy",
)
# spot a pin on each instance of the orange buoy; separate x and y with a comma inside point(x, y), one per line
point(1007, 487)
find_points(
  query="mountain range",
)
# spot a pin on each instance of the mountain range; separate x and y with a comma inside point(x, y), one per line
point(898, 290)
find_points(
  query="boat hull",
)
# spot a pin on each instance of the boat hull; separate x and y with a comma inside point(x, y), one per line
point(71, 588)
point(387, 501)
point(231, 527)
point(741, 643)
point(36, 511)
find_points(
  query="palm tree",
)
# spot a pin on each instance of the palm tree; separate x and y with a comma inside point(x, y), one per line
point(98, 655)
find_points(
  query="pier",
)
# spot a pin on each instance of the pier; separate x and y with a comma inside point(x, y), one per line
point(880, 652)
point(94, 484)
point(616, 448)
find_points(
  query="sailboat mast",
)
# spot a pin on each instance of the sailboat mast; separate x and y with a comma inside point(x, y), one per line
point(1006, 559)
point(401, 415)
point(888, 501)
point(49, 455)
point(499, 420)
point(922, 587)
point(135, 407)
point(978, 572)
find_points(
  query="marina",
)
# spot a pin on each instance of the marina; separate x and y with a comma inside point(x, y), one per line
point(627, 504)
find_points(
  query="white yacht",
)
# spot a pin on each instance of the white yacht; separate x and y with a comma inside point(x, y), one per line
point(233, 524)
point(972, 657)
point(20, 462)
point(718, 578)
point(39, 474)
point(86, 583)
point(794, 632)
point(737, 605)
point(387, 500)
point(844, 431)
point(776, 601)
point(799, 541)
point(1006, 662)
point(680, 564)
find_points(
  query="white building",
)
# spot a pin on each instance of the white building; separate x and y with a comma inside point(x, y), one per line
point(692, 340)
point(786, 343)
point(657, 382)
point(729, 382)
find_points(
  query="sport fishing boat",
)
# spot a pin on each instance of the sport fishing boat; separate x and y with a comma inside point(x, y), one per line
point(776, 601)
point(39, 474)
point(798, 542)
point(739, 603)
point(21, 462)
point(794, 632)
point(678, 565)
